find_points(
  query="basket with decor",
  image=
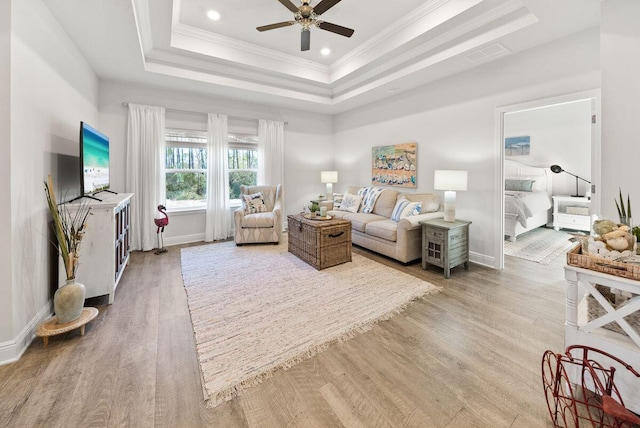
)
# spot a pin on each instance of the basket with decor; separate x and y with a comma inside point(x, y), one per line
point(612, 250)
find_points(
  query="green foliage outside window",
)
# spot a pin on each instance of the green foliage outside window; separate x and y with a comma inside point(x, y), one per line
point(186, 186)
point(186, 166)
point(238, 178)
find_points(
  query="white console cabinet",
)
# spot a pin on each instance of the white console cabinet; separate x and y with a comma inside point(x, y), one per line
point(104, 251)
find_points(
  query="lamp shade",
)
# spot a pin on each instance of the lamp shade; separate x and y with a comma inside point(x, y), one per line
point(328, 176)
point(450, 180)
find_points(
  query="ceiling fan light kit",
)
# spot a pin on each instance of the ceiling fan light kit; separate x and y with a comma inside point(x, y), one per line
point(306, 16)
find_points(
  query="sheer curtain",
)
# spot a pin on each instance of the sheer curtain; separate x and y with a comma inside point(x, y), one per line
point(145, 172)
point(218, 217)
point(271, 154)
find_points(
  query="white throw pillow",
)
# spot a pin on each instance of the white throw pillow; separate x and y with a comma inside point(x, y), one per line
point(337, 200)
point(350, 203)
point(405, 208)
point(254, 203)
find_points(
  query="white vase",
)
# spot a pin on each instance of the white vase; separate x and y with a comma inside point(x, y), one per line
point(68, 301)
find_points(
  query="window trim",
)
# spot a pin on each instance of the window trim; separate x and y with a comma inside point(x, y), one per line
point(194, 138)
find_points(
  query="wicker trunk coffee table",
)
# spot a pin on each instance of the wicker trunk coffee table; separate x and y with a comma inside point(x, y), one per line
point(320, 242)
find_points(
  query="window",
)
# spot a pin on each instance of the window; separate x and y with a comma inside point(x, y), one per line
point(186, 168)
point(242, 163)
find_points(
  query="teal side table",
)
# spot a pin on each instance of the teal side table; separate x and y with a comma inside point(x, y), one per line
point(445, 244)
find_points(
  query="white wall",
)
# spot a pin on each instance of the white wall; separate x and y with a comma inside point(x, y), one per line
point(560, 134)
point(52, 90)
point(6, 289)
point(308, 142)
point(453, 122)
point(620, 59)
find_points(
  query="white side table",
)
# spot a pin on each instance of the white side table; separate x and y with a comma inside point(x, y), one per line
point(570, 212)
point(583, 329)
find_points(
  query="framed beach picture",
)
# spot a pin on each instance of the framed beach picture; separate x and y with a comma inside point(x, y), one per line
point(517, 146)
point(394, 165)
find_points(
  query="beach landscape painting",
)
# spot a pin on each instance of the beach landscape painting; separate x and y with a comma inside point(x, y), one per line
point(517, 146)
point(394, 165)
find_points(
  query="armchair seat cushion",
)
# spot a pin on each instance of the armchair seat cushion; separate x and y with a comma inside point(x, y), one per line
point(258, 220)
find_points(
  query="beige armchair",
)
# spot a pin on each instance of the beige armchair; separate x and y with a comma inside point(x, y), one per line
point(260, 226)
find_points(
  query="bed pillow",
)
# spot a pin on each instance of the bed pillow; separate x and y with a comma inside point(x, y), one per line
point(350, 203)
point(539, 181)
point(518, 185)
point(405, 208)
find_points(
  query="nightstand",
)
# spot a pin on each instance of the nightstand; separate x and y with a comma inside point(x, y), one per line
point(445, 244)
point(571, 212)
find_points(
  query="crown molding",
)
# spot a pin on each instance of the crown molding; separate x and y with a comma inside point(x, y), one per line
point(398, 27)
point(433, 43)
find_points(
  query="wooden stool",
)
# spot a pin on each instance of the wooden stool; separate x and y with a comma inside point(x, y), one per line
point(52, 328)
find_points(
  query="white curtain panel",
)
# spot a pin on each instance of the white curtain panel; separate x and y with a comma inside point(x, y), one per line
point(218, 217)
point(271, 155)
point(145, 172)
point(270, 152)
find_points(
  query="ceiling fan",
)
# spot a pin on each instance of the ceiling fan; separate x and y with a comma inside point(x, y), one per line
point(307, 16)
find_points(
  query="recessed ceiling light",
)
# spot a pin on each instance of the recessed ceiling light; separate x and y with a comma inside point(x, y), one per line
point(213, 15)
point(325, 51)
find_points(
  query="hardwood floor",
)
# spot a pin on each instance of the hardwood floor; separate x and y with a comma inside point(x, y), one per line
point(466, 357)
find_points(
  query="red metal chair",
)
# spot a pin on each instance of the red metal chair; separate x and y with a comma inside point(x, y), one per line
point(595, 401)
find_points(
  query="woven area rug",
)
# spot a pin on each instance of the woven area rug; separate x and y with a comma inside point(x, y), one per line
point(259, 308)
point(540, 245)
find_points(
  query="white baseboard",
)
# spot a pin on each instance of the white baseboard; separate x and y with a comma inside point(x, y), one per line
point(12, 350)
point(184, 239)
point(482, 259)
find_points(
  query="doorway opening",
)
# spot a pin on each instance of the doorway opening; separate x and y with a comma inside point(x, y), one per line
point(533, 136)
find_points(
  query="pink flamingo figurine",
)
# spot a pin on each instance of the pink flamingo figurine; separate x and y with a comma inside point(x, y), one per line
point(161, 219)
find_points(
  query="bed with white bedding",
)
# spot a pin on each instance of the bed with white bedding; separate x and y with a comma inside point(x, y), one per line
point(527, 198)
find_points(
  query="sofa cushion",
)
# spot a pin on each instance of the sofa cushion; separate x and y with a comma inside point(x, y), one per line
point(338, 213)
point(359, 221)
point(430, 202)
point(385, 229)
point(353, 189)
point(385, 203)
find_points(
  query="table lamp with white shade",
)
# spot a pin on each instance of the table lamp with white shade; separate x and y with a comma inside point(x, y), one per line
point(329, 177)
point(450, 181)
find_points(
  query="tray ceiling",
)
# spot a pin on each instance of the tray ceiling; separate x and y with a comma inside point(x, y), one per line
point(396, 46)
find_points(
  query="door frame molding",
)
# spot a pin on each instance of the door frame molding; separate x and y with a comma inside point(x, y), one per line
point(595, 96)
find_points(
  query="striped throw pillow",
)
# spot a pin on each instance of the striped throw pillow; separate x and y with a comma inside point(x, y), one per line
point(405, 208)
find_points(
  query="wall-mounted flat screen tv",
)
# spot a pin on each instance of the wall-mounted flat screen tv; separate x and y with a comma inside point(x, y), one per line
point(94, 159)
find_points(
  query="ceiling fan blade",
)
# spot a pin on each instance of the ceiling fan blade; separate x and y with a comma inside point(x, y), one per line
point(287, 3)
point(274, 26)
point(324, 6)
point(305, 40)
point(338, 29)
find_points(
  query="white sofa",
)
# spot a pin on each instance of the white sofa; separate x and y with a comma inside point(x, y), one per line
point(376, 231)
